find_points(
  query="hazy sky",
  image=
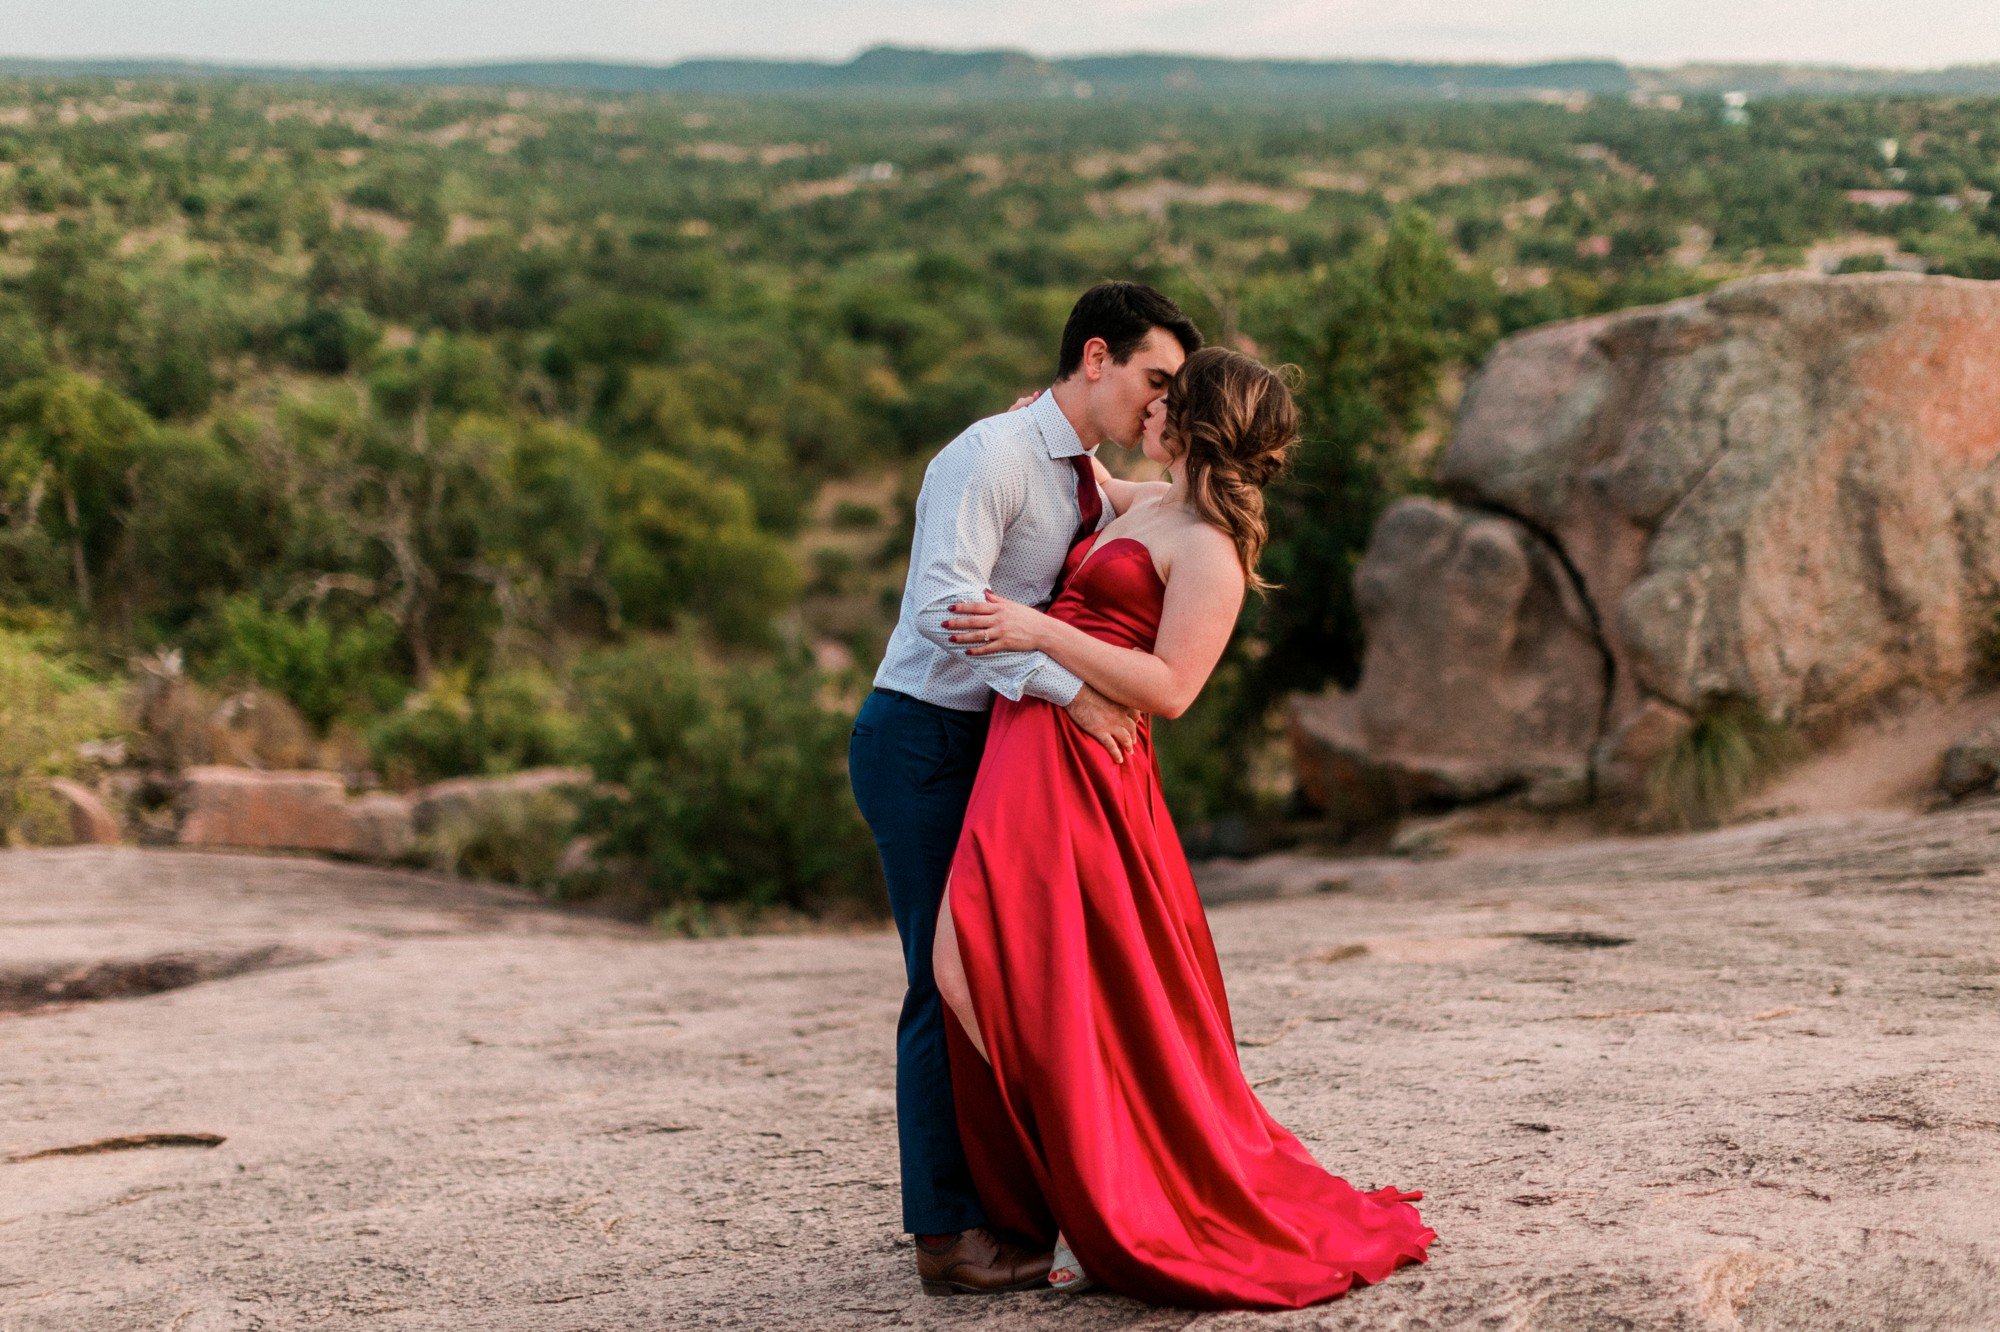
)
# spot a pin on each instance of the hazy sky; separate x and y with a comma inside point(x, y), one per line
point(1871, 32)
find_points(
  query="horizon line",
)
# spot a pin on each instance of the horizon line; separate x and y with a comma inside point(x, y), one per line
point(482, 62)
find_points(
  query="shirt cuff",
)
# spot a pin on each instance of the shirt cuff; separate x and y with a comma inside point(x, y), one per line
point(1053, 683)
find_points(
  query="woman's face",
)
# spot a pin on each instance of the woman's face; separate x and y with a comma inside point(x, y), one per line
point(1152, 440)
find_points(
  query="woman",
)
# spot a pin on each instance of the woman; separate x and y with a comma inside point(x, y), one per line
point(1099, 1094)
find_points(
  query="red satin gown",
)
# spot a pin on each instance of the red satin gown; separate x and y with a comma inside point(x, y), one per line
point(1114, 1107)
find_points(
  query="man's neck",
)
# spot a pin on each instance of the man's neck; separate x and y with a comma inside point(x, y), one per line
point(1069, 395)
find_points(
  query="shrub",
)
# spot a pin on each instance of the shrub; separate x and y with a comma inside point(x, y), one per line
point(330, 339)
point(1726, 754)
point(513, 841)
point(325, 669)
point(730, 782)
point(47, 708)
point(173, 378)
point(854, 516)
point(445, 372)
point(832, 569)
point(460, 727)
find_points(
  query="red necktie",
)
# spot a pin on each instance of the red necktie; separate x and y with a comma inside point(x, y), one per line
point(1089, 504)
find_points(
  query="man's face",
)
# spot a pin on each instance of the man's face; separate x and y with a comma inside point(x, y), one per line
point(1122, 393)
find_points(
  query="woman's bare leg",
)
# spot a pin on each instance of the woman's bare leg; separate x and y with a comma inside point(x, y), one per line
point(949, 972)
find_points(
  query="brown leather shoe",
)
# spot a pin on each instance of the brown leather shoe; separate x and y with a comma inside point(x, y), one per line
point(980, 1263)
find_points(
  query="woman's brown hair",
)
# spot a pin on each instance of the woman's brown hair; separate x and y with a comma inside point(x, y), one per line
point(1233, 423)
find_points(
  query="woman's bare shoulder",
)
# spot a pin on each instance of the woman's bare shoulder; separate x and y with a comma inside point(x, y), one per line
point(1194, 544)
point(1124, 495)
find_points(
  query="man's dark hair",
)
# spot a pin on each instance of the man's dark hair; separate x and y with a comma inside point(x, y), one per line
point(1122, 313)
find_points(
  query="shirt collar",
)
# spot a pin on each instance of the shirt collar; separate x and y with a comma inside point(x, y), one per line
point(1058, 435)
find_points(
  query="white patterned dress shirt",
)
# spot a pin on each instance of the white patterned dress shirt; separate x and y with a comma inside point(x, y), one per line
point(998, 509)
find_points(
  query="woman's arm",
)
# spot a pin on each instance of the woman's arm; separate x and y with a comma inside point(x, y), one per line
point(1123, 494)
point(1203, 597)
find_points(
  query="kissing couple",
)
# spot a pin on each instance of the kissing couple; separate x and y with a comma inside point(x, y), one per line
point(1070, 1108)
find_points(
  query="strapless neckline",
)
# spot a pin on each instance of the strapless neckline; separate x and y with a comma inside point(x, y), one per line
point(1091, 551)
point(1110, 597)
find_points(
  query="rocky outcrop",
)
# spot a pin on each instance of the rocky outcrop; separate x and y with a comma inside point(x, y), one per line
point(381, 828)
point(180, 724)
point(1781, 493)
point(311, 811)
point(91, 823)
point(1485, 618)
point(291, 811)
point(1972, 764)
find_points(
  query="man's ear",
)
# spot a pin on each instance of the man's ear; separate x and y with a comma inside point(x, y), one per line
point(1096, 355)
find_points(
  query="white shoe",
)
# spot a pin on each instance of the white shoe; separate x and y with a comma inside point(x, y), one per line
point(1065, 1272)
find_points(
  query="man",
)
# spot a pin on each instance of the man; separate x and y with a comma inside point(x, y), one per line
point(1000, 507)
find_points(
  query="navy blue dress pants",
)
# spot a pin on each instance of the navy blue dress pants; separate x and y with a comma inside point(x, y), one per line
point(912, 765)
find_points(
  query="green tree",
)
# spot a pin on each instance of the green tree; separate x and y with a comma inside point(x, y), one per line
point(616, 329)
point(70, 437)
point(330, 338)
point(1375, 341)
point(687, 541)
point(77, 289)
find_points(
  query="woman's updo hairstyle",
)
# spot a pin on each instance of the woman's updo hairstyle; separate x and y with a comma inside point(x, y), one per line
point(1233, 424)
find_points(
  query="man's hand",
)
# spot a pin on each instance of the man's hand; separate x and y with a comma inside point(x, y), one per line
point(1110, 724)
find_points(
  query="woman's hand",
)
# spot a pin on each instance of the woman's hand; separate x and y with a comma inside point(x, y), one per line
point(997, 625)
point(1025, 399)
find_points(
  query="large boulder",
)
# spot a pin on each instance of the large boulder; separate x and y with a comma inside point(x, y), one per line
point(290, 811)
point(1476, 613)
point(1780, 493)
point(91, 822)
point(381, 827)
point(1972, 763)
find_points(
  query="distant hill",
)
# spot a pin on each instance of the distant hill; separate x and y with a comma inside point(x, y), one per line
point(895, 71)
point(905, 71)
point(1782, 80)
point(1015, 73)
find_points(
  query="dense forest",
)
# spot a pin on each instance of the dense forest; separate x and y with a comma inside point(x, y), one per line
point(478, 429)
